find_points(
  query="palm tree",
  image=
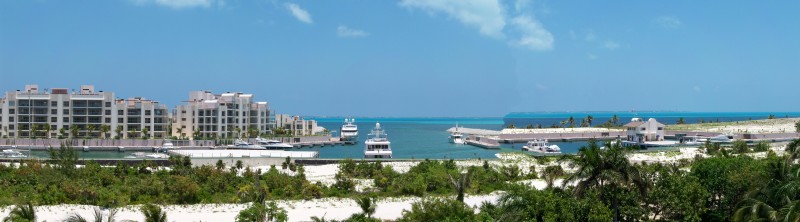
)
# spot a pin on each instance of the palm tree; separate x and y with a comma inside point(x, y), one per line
point(776, 201)
point(21, 213)
point(238, 132)
point(48, 129)
point(571, 121)
point(105, 129)
point(367, 205)
point(589, 119)
point(615, 120)
point(609, 167)
point(73, 131)
point(118, 130)
point(460, 185)
point(34, 131)
point(98, 216)
point(180, 133)
point(145, 133)
point(550, 174)
point(91, 129)
point(153, 213)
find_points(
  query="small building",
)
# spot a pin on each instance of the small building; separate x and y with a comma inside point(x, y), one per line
point(639, 131)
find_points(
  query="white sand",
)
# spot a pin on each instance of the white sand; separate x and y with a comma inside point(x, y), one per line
point(559, 130)
point(783, 125)
point(330, 208)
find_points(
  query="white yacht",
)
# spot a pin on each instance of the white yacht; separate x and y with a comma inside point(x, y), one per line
point(272, 144)
point(378, 145)
point(143, 155)
point(349, 131)
point(12, 153)
point(168, 145)
point(241, 144)
point(456, 137)
point(722, 138)
point(541, 146)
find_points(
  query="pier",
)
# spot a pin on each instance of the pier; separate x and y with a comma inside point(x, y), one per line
point(245, 153)
point(482, 142)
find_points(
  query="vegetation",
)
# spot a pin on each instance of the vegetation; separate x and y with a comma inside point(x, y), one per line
point(599, 185)
point(153, 213)
point(23, 213)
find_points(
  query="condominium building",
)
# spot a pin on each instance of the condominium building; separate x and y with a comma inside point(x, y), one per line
point(85, 113)
point(224, 115)
point(298, 126)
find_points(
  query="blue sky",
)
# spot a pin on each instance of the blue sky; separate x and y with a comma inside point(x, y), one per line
point(415, 57)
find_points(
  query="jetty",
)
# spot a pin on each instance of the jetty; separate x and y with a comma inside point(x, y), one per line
point(245, 153)
point(482, 142)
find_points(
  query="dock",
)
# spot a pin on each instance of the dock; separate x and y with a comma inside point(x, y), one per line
point(245, 154)
point(482, 142)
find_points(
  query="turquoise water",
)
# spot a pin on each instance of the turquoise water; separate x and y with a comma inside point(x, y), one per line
point(421, 138)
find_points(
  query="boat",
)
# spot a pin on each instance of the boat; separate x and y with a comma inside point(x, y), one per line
point(456, 137)
point(13, 153)
point(349, 131)
point(165, 147)
point(143, 155)
point(722, 138)
point(272, 144)
point(541, 146)
point(378, 145)
point(241, 144)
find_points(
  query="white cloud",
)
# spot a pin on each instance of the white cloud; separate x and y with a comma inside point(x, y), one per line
point(611, 45)
point(486, 15)
point(344, 31)
point(590, 37)
point(591, 56)
point(572, 35)
point(697, 89)
point(668, 22)
point(299, 13)
point(541, 87)
point(180, 4)
point(491, 19)
point(533, 35)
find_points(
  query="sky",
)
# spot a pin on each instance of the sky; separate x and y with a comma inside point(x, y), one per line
point(415, 58)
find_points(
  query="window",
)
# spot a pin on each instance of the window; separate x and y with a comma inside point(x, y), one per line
point(146, 120)
point(120, 112)
point(11, 111)
point(108, 120)
point(108, 104)
point(660, 128)
point(53, 103)
point(53, 111)
point(1, 111)
point(108, 112)
point(53, 119)
point(11, 127)
point(644, 128)
point(120, 120)
point(66, 119)
point(11, 119)
point(147, 112)
point(66, 103)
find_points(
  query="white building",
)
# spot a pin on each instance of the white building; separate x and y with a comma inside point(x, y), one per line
point(226, 115)
point(299, 126)
point(29, 112)
point(639, 131)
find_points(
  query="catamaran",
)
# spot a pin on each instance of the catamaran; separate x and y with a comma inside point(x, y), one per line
point(378, 145)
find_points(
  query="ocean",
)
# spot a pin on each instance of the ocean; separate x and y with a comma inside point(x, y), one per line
point(421, 138)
